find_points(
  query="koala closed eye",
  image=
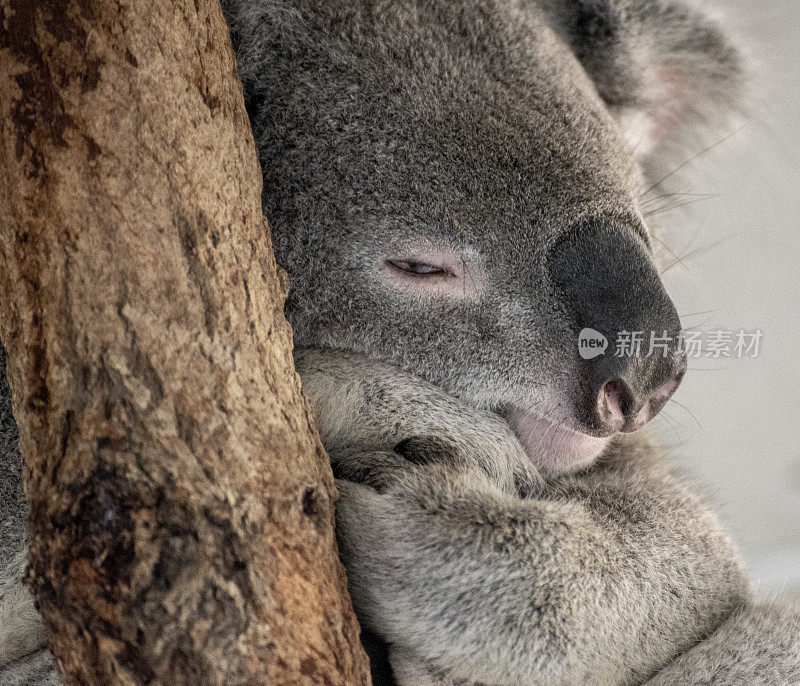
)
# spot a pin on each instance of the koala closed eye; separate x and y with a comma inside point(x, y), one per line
point(434, 271)
point(422, 269)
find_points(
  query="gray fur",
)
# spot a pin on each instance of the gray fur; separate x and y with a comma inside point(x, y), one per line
point(667, 71)
point(13, 524)
point(475, 576)
point(487, 133)
point(36, 669)
point(22, 662)
point(465, 129)
point(20, 631)
point(756, 646)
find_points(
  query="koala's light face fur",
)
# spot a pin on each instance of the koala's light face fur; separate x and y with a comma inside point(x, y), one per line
point(422, 163)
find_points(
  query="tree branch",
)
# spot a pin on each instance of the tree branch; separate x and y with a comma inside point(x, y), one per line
point(182, 505)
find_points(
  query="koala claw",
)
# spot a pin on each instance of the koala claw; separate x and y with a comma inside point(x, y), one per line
point(378, 470)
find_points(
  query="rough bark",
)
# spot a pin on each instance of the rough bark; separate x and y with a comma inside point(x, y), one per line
point(182, 505)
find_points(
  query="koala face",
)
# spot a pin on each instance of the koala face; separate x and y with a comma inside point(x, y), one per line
point(450, 192)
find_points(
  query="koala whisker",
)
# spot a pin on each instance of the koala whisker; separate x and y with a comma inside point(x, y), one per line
point(676, 194)
point(699, 251)
point(673, 425)
point(696, 156)
point(663, 244)
point(669, 207)
point(689, 412)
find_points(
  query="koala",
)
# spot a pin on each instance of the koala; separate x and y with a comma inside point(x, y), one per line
point(456, 190)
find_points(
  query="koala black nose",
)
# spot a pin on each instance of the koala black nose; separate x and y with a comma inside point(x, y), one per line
point(631, 363)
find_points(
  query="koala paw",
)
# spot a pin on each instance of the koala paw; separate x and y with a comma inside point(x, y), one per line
point(378, 470)
point(427, 449)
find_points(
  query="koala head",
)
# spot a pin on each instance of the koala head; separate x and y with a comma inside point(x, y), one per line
point(453, 187)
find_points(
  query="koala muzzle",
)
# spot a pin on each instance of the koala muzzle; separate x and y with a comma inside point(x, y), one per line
point(611, 289)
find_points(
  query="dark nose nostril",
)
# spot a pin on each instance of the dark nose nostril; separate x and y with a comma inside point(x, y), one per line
point(614, 403)
point(618, 408)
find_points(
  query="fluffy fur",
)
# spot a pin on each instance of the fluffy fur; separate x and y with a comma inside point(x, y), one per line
point(471, 133)
point(475, 573)
point(757, 645)
point(666, 70)
point(22, 661)
point(21, 631)
point(456, 127)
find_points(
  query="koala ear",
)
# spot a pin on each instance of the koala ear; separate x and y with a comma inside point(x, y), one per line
point(668, 71)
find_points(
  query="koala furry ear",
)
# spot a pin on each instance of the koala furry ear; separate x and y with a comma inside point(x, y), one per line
point(667, 70)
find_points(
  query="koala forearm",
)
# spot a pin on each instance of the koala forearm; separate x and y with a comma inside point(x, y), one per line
point(499, 590)
point(458, 578)
point(605, 573)
point(21, 630)
point(758, 644)
point(361, 406)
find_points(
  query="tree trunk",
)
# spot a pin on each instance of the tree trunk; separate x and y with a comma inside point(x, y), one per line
point(182, 505)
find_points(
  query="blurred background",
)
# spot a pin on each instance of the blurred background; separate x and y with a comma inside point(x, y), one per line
point(735, 423)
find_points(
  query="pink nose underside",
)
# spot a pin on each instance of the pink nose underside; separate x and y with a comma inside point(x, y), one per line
point(557, 449)
point(611, 401)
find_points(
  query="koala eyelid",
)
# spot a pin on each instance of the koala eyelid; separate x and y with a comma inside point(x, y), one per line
point(419, 269)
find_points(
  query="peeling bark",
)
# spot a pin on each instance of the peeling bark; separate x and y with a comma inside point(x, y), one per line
point(182, 505)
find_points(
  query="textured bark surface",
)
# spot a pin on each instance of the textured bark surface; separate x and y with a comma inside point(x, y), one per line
point(182, 506)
